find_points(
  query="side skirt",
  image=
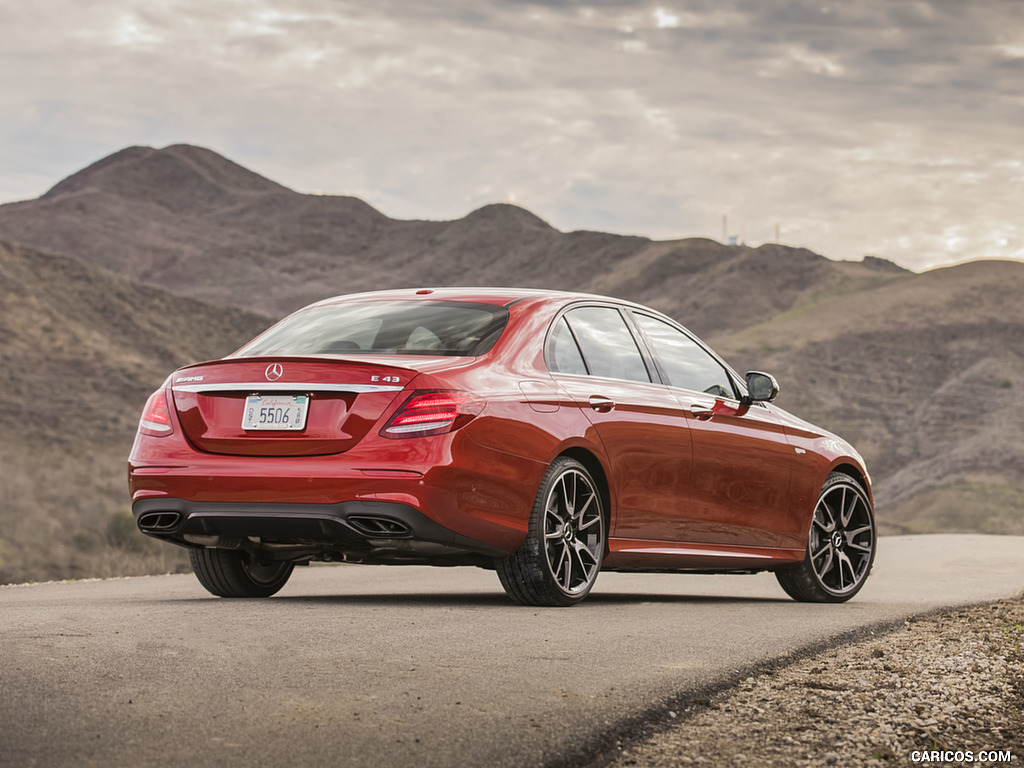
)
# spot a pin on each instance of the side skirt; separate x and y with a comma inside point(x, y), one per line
point(643, 555)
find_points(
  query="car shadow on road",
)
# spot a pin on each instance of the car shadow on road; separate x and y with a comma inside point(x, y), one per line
point(480, 599)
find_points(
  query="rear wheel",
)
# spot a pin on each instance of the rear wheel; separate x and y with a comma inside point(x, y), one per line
point(233, 573)
point(559, 561)
point(840, 545)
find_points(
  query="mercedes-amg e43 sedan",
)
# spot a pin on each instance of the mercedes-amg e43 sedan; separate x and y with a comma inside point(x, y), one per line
point(544, 435)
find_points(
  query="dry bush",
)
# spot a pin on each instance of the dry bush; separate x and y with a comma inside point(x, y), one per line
point(64, 517)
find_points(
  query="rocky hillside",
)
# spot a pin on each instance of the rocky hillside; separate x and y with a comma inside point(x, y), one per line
point(80, 351)
point(922, 375)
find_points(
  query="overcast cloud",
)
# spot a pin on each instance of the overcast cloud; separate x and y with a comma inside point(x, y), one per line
point(885, 127)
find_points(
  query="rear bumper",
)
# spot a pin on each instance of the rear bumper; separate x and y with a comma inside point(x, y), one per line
point(357, 531)
point(438, 490)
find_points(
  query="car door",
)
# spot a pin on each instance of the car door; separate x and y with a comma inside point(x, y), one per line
point(742, 462)
point(594, 356)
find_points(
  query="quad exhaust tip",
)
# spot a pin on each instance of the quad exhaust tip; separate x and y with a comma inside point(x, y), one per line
point(158, 522)
point(379, 527)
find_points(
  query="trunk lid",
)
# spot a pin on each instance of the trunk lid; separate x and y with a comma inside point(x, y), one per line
point(342, 399)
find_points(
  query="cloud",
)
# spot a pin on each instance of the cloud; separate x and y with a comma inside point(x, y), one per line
point(856, 127)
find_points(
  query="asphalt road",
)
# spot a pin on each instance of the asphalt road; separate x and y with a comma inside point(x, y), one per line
point(379, 666)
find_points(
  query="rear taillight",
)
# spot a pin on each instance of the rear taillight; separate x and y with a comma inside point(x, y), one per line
point(156, 416)
point(432, 413)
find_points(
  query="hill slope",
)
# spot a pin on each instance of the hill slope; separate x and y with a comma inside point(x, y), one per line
point(80, 351)
point(923, 376)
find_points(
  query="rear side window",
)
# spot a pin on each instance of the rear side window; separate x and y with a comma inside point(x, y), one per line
point(687, 364)
point(384, 328)
point(565, 354)
point(607, 343)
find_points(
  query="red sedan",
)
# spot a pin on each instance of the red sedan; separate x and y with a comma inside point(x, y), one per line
point(545, 435)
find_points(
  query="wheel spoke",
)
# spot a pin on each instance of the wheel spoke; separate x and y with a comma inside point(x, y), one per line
point(823, 570)
point(583, 551)
point(822, 550)
point(828, 523)
point(579, 565)
point(844, 560)
point(594, 517)
point(847, 511)
point(569, 503)
point(567, 581)
point(586, 560)
point(563, 562)
point(586, 505)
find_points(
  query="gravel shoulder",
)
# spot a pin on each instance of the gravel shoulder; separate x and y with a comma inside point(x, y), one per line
point(949, 682)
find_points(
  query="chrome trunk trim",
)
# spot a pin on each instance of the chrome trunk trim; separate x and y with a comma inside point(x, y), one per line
point(283, 386)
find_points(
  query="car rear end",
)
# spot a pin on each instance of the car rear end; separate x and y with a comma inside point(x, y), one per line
point(337, 435)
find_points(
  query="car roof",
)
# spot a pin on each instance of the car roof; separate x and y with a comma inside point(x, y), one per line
point(497, 296)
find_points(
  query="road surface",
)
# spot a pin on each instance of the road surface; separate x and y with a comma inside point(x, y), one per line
point(389, 666)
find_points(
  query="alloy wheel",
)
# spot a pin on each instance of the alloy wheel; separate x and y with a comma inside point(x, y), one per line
point(842, 541)
point(573, 532)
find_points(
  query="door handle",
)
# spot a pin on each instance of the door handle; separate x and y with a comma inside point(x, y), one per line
point(601, 404)
point(701, 412)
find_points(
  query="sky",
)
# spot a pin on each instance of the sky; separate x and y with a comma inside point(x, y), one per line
point(885, 127)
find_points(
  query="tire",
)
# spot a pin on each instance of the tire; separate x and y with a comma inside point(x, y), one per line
point(232, 573)
point(841, 545)
point(561, 556)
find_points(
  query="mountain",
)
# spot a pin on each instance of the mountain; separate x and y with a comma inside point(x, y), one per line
point(190, 221)
point(151, 258)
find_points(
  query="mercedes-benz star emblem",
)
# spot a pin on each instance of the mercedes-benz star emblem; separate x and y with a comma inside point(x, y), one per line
point(274, 371)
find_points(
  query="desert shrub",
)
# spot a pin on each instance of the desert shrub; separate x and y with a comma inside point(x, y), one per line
point(123, 533)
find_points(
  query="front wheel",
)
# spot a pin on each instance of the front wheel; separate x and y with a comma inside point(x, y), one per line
point(233, 573)
point(559, 561)
point(840, 545)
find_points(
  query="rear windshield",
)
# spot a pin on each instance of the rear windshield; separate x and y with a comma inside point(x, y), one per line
point(384, 328)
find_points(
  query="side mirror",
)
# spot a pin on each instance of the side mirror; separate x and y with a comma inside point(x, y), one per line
point(761, 387)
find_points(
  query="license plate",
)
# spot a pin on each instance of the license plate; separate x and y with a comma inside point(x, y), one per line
point(275, 412)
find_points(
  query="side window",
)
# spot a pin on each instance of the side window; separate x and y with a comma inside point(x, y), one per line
point(607, 344)
point(565, 355)
point(688, 365)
